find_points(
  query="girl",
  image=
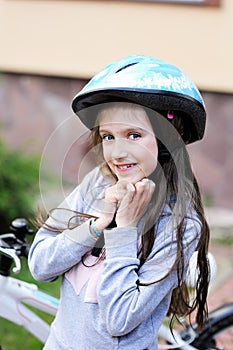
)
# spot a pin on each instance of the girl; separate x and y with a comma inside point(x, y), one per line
point(123, 238)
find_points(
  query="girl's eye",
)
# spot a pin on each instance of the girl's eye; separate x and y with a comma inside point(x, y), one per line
point(134, 136)
point(107, 137)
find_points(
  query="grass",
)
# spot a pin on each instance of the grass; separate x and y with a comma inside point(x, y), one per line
point(14, 337)
point(223, 237)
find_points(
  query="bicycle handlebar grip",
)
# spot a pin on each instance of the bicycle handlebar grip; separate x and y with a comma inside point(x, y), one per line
point(20, 228)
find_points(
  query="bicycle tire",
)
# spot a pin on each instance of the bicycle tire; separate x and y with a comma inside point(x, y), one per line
point(220, 321)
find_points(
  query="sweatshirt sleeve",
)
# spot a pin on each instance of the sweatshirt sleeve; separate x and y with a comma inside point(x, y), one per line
point(53, 253)
point(123, 302)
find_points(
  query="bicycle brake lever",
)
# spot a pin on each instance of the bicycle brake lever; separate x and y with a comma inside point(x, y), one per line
point(11, 253)
point(7, 235)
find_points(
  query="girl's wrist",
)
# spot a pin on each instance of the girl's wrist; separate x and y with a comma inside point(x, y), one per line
point(126, 223)
point(95, 230)
point(97, 226)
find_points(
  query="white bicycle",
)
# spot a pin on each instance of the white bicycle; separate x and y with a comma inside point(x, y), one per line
point(16, 295)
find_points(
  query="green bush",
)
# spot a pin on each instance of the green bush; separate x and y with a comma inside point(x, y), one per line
point(19, 189)
point(18, 185)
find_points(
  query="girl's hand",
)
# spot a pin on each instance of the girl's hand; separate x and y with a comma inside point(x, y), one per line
point(112, 200)
point(134, 202)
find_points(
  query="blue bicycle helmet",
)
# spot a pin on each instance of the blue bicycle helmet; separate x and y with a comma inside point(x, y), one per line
point(149, 82)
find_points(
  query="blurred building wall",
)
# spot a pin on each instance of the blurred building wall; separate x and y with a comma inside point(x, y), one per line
point(76, 38)
point(49, 49)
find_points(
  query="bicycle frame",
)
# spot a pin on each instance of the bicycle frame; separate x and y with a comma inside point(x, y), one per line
point(15, 295)
point(174, 339)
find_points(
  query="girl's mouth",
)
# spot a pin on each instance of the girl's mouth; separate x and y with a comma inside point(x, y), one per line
point(124, 166)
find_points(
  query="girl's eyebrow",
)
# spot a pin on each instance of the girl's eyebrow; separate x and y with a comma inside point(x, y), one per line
point(103, 130)
point(133, 128)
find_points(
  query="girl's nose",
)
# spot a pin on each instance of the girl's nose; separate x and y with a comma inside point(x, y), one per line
point(119, 149)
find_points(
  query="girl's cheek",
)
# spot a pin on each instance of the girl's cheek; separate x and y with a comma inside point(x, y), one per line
point(152, 157)
point(152, 151)
point(106, 154)
point(155, 165)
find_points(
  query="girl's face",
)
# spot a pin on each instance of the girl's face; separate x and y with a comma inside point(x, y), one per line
point(129, 143)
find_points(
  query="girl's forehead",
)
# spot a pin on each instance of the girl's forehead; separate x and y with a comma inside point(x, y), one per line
point(125, 115)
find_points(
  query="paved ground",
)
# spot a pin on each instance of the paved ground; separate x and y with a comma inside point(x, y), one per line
point(221, 245)
point(222, 289)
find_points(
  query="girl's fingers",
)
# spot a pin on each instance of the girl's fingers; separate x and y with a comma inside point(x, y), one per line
point(145, 188)
point(127, 199)
point(135, 202)
point(116, 192)
point(130, 187)
point(112, 200)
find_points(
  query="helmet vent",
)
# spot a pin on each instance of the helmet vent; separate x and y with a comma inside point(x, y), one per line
point(128, 65)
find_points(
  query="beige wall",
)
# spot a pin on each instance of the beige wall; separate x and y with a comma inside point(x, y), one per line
point(76, 38)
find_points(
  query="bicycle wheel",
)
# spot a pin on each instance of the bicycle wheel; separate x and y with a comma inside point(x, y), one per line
point(217, 334)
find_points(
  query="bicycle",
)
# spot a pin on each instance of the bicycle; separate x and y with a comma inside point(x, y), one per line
point(15, 295)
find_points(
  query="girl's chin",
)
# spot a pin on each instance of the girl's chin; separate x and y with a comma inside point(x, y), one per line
point(131, 179)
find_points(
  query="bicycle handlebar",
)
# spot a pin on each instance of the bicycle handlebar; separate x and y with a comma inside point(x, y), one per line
point(13, 245)
point(9, 252)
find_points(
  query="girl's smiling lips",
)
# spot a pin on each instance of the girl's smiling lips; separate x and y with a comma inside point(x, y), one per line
point(124, 167)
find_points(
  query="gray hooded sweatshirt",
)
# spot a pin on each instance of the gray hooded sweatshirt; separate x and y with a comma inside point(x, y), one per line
point(104, 307)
